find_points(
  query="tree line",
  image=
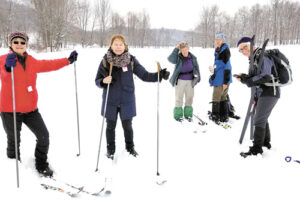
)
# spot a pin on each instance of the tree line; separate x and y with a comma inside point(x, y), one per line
point(56, 24)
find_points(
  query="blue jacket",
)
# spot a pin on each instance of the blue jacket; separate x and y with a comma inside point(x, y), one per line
point(121, 90)
point(176, 59)
point(222, 72)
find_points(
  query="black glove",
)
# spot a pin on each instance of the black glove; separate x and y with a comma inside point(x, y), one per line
point(11, 61)
point(73, 57)
point(244, 77)
point(164, 74)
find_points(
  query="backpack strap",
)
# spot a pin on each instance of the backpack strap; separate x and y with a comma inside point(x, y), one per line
point(132, 65)
point(104, 63)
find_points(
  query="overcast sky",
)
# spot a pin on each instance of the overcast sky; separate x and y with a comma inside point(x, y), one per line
point(178, 14)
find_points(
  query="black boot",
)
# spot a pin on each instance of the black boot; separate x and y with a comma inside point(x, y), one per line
point(44, 170)
point(224, 111)
point(267, 141)
point(254, 150)
point(259, 137)
point(110, 152)
point(132, 151)
point(215, 112)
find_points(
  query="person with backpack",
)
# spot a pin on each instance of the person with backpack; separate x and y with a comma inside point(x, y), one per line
point(264, 96)
point(25, 73)
point(121, 95)
point(220, 80)
point(185, 76)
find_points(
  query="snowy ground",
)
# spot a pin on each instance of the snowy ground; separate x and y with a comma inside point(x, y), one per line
point(202, 169)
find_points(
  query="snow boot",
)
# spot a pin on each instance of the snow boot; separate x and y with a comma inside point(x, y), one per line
point(254, 150)
point(132, 151)
point(188, 113)
point(259, 137)
point(215, 112)
point(110, 153)
point(224, 111)
point(178, 113)
point(267, 140)
point(46, 171)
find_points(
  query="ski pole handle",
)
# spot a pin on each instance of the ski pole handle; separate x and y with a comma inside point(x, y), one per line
point(158, 67)
point(110, 68)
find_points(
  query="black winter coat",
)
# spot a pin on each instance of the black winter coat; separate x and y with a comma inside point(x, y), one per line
point(121, 90)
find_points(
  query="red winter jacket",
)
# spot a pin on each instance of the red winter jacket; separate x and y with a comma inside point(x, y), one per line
point(25, 82)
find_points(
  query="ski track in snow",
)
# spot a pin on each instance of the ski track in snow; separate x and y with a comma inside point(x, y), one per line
point(201, 169)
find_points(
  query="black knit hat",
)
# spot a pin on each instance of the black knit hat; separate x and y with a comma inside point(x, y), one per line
point(18, 34)
point(244, 40)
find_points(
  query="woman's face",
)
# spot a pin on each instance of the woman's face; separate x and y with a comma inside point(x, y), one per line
point(244, 48)
point(185, 51)
point(118, 47)
point(19, 46)
point(218, 42)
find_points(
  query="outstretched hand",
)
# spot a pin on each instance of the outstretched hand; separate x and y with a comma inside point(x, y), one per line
point(164, 74)
point(73, 57)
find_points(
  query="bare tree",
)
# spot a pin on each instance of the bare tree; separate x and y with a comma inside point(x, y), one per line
point(117, 24)
point(54, 18)
point(83, 18)
point(144, 28)
point(103, 10)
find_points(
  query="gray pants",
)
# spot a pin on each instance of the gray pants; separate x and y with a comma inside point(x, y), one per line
point(184, 88)
point(263, 110)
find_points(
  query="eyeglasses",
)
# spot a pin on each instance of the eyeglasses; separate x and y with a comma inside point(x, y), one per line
point(243, 48)
point(17, 42)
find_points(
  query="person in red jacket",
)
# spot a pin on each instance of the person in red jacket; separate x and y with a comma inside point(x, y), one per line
point(25, 71)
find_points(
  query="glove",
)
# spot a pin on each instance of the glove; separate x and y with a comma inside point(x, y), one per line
point(211, 69)
point(244, 77)
point(73, 57)
point(11, 61)
point(164, 74)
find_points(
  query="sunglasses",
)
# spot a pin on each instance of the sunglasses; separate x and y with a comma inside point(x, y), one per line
point(17, 42)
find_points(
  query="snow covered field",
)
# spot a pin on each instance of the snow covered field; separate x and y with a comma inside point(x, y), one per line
point(202, 169)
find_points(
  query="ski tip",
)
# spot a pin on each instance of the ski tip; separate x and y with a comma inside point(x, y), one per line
point(243, 154)
point(108, 192)
point(161, 182)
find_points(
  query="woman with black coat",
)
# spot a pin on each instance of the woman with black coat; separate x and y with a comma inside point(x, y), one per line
point(121, 97)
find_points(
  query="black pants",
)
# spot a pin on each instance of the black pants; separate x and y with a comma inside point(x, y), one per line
point(35, 123)
point(110, 133)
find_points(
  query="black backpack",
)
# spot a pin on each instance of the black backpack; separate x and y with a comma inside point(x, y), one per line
point(282, 75)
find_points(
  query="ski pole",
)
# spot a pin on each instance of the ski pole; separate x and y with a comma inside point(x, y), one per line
point(157, 147)
point(15, 124)
point(248, 114)
point(76, 94)
point(105, 105)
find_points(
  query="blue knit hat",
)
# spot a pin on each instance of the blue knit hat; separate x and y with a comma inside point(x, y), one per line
point(221, 35)
point(244, 40)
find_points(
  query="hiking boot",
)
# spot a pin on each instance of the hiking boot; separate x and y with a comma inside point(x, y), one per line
point(46, 172)
point(254, 150)
point(110, 153)
point(132, 152)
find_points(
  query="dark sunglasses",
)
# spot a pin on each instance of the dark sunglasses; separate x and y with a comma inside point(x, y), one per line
point(17, 42)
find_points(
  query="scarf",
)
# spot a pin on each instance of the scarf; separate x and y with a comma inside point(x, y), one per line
point(118, 60)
